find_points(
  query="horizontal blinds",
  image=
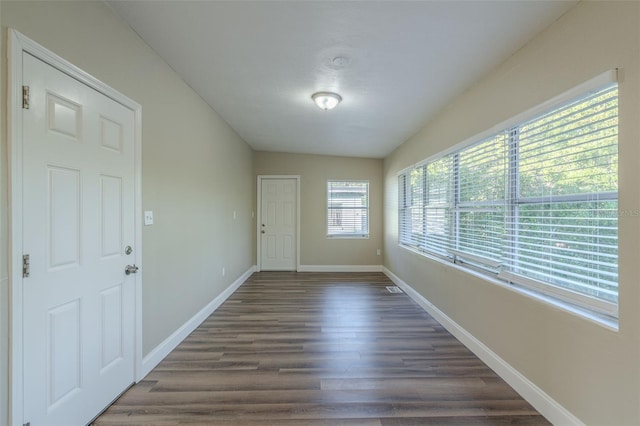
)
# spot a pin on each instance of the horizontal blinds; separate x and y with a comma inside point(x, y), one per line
point(347, 208)
point(537, 201)
point(481, 181)
point(567, 221)
point(426, 217)
point(403, 206)
point(440, 222)
point(412, 221)
point(572, 150)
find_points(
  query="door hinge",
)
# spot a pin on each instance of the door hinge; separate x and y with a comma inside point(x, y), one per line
point(25, 266)
point(25, 97)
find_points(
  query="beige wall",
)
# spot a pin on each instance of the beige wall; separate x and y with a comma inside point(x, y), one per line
point(314, 171)
point(4, 278)
point(592, 371)
point(196, 171)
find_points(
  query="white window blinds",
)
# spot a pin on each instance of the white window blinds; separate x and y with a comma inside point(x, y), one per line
point(427, 204)
point(439, 205)
point(535, 204)
point(412, 210)
point(566, 216)
point(480, 175)
point(347, 208)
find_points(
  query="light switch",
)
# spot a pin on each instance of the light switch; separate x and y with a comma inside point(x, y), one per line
point(148, 217)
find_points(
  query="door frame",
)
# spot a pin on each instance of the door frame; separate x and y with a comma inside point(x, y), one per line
point(259, 217)
point(17, 45)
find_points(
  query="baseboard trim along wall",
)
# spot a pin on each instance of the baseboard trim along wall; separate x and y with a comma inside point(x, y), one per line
point(4, 350)
point(154, 357)
point(547, 406)
point(340, 268)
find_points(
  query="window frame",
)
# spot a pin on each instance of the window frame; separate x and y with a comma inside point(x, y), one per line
point(365, 208)
point(513, 202)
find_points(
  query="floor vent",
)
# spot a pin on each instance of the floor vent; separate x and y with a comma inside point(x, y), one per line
point(394, 289)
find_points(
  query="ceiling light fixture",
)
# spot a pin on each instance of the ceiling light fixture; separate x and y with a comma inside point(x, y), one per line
point(326, 100)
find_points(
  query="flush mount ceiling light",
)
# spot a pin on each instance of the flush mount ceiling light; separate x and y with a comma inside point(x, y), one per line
point(326, 100)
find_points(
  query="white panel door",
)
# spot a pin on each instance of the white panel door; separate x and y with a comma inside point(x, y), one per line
point(278, 227)
point(78, 217)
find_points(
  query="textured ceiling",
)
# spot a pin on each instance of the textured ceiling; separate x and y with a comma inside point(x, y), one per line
point(398, 63)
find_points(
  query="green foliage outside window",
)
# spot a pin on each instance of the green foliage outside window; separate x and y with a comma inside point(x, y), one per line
point(540, 198)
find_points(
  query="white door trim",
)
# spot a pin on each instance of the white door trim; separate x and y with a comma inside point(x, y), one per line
point(17, 44)
point(259, 217)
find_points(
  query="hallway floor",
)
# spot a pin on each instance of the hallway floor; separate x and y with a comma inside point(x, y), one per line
point(320, 349)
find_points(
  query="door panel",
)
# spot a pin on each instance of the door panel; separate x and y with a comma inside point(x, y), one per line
point(111, 327)
point(110, 215)
point(63, 217)
point(78, 214)
point(278, 228)
point(64, 117)
point(63, 352)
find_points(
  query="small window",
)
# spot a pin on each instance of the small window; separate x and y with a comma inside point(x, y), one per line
point(348, 209)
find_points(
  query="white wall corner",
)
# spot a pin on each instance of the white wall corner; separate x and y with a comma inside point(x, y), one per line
point(547, 406)
point(340, 268)
point(158, 353)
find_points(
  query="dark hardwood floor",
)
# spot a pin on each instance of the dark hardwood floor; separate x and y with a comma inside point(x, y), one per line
point(320, 349)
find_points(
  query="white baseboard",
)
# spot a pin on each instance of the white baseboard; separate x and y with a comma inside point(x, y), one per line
point(340, 268)
point(4, 349)
point(158, 353)
point(547, 406)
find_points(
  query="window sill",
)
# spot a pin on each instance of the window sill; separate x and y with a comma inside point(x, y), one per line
point(348, 237)
point(607, 322)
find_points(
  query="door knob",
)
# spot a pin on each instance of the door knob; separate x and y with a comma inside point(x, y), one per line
point(130, 269)
point(262, 232)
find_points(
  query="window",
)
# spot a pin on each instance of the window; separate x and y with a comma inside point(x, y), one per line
point(535, 205)
point(348, 209)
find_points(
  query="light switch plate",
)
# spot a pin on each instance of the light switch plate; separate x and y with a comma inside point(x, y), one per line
point(148, 217)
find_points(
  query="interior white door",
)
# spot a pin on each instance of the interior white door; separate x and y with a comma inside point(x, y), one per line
point(278, 224)
point(78, 218)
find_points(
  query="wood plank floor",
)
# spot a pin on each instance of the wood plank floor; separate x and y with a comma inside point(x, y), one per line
point(320, 349)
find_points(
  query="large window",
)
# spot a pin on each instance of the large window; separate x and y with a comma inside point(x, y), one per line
point(347, 209)
point(535, 205)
